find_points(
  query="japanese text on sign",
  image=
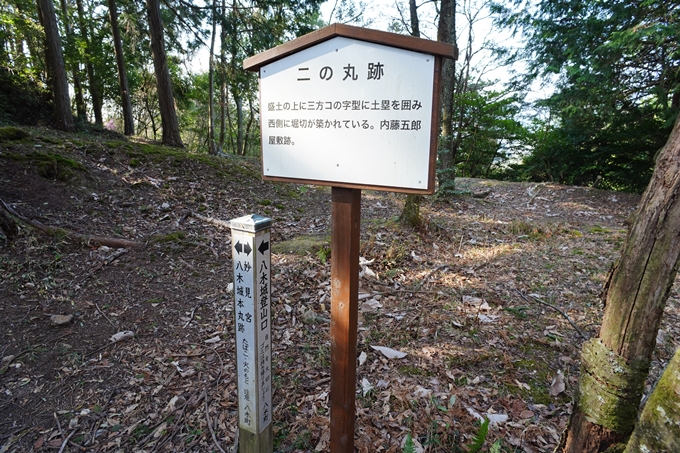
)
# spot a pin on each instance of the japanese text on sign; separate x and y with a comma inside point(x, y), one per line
point(251, 258)
point(345, 96)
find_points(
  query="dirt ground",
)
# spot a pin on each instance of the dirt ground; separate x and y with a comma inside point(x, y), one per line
point(470, 298)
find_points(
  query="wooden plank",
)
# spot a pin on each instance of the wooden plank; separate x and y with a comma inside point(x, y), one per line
point(427, 46)
point(346, 219)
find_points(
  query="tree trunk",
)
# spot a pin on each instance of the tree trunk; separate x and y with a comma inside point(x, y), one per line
point(446, 32)
point(411, 213)
point(659, 426)
point(223, 76)
point(615, 365)
point(129, 125)
point(212, 149)
point(166, 101)
point(415, 22)
point(240, 149)
point(63, 118)
point(94, 83)
point(81, 109)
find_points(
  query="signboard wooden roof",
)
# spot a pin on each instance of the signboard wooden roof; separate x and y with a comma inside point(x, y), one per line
point(406, 42)
point(351, 107)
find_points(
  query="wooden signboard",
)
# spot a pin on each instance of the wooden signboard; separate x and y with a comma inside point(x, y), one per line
point(351, 107)
point(354, 109)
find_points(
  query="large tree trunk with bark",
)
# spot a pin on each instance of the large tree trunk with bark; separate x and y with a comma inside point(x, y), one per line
point(615, 365)
point(63, 118)
point(166, 101)
point(128, 122)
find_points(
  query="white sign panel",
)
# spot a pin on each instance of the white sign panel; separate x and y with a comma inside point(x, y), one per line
point(348, 111)
point(251, 257)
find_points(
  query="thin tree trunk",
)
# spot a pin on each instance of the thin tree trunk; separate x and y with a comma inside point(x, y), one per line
point(63, 118)
point(211, 82)
point(166, 101)
point(223, 76)
point(94, 83)
point(239, 125)
point(411, 212)
point(129, 125)
point(615, 365)
point(446, 32)
point(81, 110)
point(249, 125)
point(415, 22)
point(18, 56)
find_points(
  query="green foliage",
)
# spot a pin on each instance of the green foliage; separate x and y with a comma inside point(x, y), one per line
point(409, 446)
point(496, 447)
point(480, 437)
point(490, 132)
point(617, 71)
point(323, 254)
point(22, 99)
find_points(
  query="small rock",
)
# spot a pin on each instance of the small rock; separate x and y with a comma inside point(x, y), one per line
point(309, 317)
point(61, 320)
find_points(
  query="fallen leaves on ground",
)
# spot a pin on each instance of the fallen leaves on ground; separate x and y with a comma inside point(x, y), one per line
point(444, 337)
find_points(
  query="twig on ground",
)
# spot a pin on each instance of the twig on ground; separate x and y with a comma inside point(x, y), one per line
point(427, 277)
point(207, 419)
point(317, 383)
point(61, 431)
point(556, 309)
point(104, 315)
point(9, 362)
point(193, 310)
point(219, 376)
point(214, 221)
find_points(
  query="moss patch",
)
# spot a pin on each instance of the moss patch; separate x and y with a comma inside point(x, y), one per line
point(175, 236)
point(50, 165)
point(11, 133)
point(302, 245)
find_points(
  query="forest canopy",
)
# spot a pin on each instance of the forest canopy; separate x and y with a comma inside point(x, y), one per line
point(612, 68)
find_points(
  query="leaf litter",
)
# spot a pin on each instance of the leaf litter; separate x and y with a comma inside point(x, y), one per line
point(444, 338)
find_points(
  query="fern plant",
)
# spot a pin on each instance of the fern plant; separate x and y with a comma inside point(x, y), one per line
point(409, 446)
point(480, 437)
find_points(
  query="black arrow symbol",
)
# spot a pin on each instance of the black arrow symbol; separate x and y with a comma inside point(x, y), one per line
point(247, 249)
point(264, 246)
point(239, 247)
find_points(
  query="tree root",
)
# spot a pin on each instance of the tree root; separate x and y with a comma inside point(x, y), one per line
point(9, 218)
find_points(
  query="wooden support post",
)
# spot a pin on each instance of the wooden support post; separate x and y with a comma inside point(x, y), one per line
point(346, 219)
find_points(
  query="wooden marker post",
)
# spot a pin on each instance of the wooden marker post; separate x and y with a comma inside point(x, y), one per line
point(346, 218)
point(353, 109)
point(251, 257)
